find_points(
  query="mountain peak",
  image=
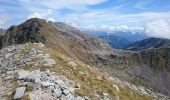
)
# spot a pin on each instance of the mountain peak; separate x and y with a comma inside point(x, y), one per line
point(35, 20)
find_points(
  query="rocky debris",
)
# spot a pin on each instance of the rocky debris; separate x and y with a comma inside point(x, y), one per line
point(19, 93)
point(139, 89)
point(105, 96)
point(49, 84)
point(17, 56)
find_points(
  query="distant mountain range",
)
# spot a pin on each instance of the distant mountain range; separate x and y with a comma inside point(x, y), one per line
point(149, 43)
point(119, 39)
point(115, 41)
point(128, 35)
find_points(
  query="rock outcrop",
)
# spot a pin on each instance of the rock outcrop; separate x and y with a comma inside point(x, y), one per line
point(44, 83)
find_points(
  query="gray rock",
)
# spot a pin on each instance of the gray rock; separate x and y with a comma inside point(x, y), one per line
point(57, 91)
point(34, 75)
point(65, 87)
point(49, 62)
point(71, 89)
point(46, 84)
point(105, 96)
point(37, 81)
point(51, 88)
point(22, 74)
point(52, 78)
point(66, 92)
point(7, 56)
point(19, 93)
point(70, 97)
point(79, 98)
point(63, 97)
point(59, 82)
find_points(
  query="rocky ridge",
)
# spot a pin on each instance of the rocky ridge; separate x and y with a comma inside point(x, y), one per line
point(45, 85)
point(22, 68)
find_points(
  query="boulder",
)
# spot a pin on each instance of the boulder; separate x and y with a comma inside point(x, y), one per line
point(79, 98)
point(59, 82)
point(66, 92)
point(57, 91)
point(63, 97)
point(34, 76)
point(105, 96)
point(37, 81)
point(46, 84)
point(7, 55)
point(22, 74)
point(19, 92)
point(70, 97)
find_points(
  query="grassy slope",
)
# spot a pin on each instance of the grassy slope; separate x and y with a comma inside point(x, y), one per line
point(93, 81)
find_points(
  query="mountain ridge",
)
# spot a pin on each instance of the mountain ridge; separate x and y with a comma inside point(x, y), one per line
point(148, 43)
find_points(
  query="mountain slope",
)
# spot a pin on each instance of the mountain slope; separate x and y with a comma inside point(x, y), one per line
point(152, 66)
point(149, 43)
point(62, 37)
point(2, 32)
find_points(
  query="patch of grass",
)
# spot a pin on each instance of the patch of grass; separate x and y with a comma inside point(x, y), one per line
point(129, 94)
point(29, 88)
point(26, 97)
point(137, 82)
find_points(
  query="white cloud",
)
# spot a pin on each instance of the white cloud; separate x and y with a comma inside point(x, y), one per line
point(109, 17)
point(111, 28)
point(143, 4)
point(3, 19)
point(44, 15)
point(159, 28)
point(59, 4)
point(51, 19)
point(41, 15)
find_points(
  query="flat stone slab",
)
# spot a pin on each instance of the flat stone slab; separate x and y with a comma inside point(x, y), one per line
point(19, 92)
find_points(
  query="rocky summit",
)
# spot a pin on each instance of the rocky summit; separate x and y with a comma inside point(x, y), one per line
point(42, 60)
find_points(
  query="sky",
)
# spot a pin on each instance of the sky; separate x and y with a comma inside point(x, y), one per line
point(151, 16)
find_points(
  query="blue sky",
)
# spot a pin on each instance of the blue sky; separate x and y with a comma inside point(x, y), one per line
point(90, 14)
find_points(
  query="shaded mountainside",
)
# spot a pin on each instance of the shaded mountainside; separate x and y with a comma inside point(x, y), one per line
point(149, 43)
point(149, 68)
point(115, 41)
point(2, 32)
point(152, 66)
point(60, 36)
